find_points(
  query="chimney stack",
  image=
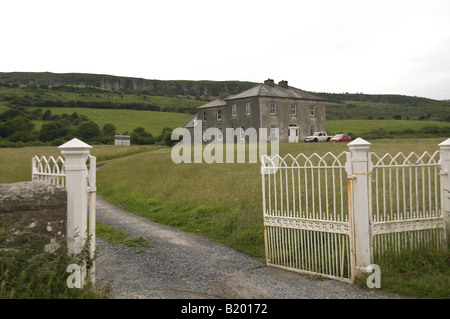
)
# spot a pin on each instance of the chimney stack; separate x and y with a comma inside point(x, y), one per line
point(283, 84)
point(223, 94)
point(269, 82)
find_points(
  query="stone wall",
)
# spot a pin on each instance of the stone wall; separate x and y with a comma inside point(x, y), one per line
point(32, 214)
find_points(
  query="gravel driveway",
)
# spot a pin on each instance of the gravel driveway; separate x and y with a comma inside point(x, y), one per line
point(187, 266)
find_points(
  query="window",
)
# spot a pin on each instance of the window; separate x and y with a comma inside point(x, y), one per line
point(293, 109)
point(242, 133)
point(233, 110)
point(219, 135)
point(204, 116)
point(247, 109)
point(312, 129)
point(273, 132)
point(273, 108)
point(312, 110)
point(219, 115)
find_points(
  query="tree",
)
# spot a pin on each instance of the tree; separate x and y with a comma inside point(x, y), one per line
point(141, 137)
point(165, 138)
point(88, 131)
point(52, 130)
point(17, 124)
point(109, 129)
point(108, 132)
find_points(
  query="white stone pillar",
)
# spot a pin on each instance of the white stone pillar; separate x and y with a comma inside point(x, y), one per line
point(361, 206)
point(76, 153)
point(445, 183)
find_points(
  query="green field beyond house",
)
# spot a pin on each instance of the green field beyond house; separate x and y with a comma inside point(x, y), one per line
point(127, 120)
point(171, 104)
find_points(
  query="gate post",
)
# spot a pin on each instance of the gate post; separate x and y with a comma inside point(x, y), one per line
point(445, 183)
point(361, 206)
point(76, 153)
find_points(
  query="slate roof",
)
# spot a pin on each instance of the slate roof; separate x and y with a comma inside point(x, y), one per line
point(265, 90)
point(213, 104)
point(191, 122)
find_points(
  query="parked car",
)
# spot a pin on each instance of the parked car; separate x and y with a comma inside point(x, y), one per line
point(318, 137)
point(341, 138)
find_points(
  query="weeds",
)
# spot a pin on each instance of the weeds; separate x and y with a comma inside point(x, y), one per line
point(30, 273)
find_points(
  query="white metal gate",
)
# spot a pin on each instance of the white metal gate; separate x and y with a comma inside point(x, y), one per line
point(307, 225)
point(336, 215)
point(405, 196)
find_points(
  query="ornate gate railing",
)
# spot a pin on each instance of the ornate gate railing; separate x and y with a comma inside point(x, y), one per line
point(406, 202)
point(306, 219)
point(336, 215)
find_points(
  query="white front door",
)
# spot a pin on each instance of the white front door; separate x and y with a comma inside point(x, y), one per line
point(293, 135)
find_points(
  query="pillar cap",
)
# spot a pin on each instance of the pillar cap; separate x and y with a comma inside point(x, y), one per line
point(75, 144)
point(359, 142)
point(445, 144)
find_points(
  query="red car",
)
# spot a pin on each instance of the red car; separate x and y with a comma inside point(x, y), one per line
point(341, 138)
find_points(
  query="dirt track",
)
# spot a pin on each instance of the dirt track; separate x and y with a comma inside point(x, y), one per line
point(186, 266)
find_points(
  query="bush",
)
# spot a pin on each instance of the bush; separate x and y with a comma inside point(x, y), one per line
point(54, 130)
point(142, 137)
point(165, 138)
point(88, 131)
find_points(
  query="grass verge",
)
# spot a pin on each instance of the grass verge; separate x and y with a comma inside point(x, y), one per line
point(27, 272)
point(415, 273)
point(118, 237)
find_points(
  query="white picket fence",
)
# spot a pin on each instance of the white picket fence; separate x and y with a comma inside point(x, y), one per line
point(334, 215)
point(73, 173)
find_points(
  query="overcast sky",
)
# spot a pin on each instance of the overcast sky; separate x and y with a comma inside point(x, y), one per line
point(377, 46)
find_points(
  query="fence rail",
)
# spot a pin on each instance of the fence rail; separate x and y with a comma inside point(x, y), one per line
point(50, 170)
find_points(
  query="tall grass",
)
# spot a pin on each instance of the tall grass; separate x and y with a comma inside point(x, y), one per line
point(220, 201)
point(28, 272)
point(15, 163)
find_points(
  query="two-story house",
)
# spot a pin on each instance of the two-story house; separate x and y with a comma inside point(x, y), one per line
point(295, 113)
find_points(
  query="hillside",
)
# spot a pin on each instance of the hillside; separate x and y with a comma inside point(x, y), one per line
point(193, 89)
point(32, 103)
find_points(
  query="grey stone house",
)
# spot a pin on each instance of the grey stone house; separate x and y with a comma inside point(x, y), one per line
point(295, 113)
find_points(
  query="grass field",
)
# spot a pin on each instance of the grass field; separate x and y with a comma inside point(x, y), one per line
point(357, 128)
point(126, 120)
point(220, 201)
point(15, 163)
point(154, 122)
